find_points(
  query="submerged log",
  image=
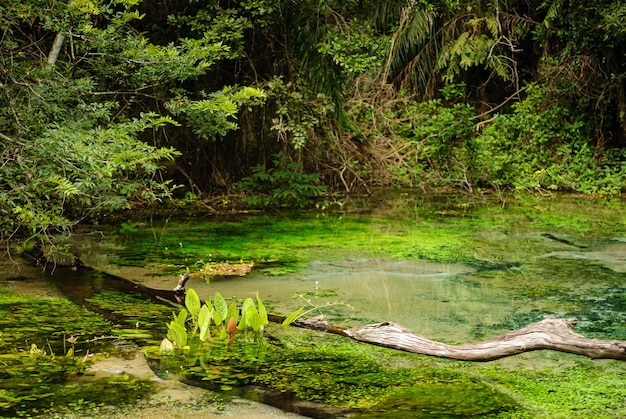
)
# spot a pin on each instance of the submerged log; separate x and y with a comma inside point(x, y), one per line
point(551, 334)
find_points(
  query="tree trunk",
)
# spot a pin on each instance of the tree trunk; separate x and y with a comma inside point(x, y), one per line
point(53, 55)
point(56, 48)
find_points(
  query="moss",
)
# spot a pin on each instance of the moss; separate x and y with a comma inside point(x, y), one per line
point(584, 389)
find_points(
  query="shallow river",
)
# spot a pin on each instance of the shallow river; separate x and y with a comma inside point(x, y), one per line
point(449, 269)
point(513, 268)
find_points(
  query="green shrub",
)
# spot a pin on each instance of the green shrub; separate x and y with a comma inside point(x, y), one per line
point(283, 186)
point(543, 145)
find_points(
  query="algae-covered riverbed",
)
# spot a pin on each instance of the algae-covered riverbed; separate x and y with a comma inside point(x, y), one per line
point(453, 269)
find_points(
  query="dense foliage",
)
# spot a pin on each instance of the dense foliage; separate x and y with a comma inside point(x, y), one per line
point(112, 104)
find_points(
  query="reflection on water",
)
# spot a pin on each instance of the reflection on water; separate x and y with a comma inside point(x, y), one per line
point(417, 294)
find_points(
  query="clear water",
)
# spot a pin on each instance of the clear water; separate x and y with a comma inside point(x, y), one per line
point(523, 271)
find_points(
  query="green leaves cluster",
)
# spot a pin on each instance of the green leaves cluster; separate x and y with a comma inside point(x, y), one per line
point(539, 144)
point(284, 185)
point(356, 46)
point(217, 316)
point(542, 145)
point(79, 133)
point(214, 116)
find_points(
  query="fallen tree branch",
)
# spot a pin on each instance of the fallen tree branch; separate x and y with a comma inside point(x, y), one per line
point(551, 334)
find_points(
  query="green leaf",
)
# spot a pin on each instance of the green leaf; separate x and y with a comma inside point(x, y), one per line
point(292, 317)
point(233, 312)
point(204, 322)
point(181, 318)
point(221, 309)
point(192, 302)
point(247, 303)
point(178, 334)
point(262, 310)
point(253, 319)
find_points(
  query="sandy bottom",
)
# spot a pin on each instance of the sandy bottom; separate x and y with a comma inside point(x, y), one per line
point(172, 399)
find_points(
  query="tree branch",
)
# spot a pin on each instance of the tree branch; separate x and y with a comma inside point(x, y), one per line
point(551, 334)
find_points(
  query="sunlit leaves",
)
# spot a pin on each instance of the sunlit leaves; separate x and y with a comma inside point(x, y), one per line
point(192, 302)
point(229, 320)
point(215, 116)
point(84, 6)
point(204, 320)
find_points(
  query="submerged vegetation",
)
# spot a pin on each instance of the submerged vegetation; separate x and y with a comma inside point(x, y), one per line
point(401, 225)
point(45, 345)
point(505, 240)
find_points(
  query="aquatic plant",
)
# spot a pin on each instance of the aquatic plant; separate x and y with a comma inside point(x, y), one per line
point(247, 321)
point(206, 338)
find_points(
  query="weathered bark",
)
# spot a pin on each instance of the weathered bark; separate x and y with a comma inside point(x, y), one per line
point(551, 334)
point(53, 55)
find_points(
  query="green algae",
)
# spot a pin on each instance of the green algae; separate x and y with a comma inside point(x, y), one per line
point(445, 229)
point(582, 389)
point(47, 323)
point(144, 320)
point(44, 344)
point(453, 400)
point(505, 241)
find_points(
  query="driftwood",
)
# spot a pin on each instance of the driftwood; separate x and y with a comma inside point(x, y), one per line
point(551, 334)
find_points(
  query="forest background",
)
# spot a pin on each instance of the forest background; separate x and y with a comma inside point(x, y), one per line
point(115, 104)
